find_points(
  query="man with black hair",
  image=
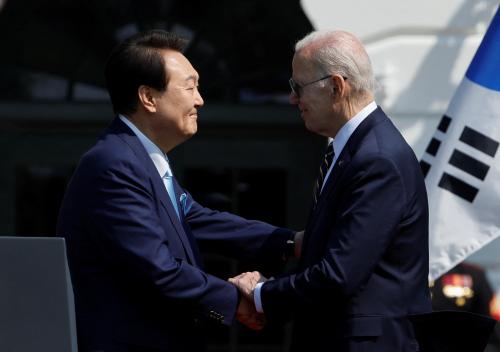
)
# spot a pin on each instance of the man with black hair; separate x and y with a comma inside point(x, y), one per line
point(131, 229)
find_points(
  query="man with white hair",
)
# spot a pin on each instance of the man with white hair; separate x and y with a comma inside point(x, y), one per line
point(364, 261)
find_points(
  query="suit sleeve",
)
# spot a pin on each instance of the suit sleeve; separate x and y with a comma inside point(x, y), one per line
point(367, 218)
point(124, 222)
point(234, 236)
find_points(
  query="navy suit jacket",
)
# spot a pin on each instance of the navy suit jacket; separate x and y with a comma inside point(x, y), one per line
point(364, 263)
point(135, 266)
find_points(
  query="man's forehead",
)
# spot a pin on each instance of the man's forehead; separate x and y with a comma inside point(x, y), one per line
point(172, 57)
point(301, 62)
point(178, 63)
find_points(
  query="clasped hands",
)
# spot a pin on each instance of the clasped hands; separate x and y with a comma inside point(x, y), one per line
point(246, 312)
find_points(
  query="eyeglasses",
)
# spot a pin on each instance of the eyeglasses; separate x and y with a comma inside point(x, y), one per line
point(296, 88)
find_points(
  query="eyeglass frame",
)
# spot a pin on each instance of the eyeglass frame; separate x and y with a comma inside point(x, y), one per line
point(295, 87)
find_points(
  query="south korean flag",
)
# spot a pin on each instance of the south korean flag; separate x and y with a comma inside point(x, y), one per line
point(462, 163)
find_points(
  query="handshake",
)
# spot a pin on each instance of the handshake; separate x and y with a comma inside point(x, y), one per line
point(247, 313)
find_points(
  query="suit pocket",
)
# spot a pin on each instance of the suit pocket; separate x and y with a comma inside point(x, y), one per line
point(363, 326)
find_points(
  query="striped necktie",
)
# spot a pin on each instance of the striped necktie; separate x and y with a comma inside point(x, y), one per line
point(323, 170)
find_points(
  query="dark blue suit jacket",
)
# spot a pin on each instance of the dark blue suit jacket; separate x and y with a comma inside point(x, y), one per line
point(364, 262)
point(135, 266)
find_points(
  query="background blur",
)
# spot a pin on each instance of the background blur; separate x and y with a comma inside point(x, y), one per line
point(252, 154)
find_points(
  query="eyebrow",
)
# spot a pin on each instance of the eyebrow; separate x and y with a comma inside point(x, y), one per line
point(192, 77)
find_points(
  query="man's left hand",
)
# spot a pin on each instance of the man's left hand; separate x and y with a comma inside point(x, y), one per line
point(246, 283)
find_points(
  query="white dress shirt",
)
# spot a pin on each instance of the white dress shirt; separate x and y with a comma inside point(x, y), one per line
point(159, 158)
point(345, 133)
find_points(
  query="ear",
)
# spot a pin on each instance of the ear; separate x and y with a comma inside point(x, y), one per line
point(147, 98)
point(339, 85)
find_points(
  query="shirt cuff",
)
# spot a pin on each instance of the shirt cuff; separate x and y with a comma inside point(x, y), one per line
point(256, 298)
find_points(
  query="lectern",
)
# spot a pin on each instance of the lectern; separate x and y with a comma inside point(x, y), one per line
point(36, 297)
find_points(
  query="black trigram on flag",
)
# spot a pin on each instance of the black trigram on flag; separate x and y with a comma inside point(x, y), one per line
point(462, 160)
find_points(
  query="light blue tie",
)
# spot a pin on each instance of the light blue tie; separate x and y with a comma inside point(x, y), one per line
point(168, 180)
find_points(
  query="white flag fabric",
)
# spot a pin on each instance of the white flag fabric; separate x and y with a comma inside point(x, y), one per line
point(462, 163)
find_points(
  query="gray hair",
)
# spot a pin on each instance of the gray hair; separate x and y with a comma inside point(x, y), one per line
point(342, 53)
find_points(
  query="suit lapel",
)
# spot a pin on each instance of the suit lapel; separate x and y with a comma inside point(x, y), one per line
point(127, 135)
point(325, 196)
point(340, 165)
point(187, 230)
point(333, 182)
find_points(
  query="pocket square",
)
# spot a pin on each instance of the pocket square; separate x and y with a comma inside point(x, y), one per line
point(186, 203)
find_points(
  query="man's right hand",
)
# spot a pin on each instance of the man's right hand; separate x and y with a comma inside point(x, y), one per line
point(246, 283)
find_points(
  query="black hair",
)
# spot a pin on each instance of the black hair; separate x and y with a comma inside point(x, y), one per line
point(138, 61)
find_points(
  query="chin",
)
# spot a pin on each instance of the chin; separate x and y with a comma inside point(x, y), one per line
point(316, 130)
point(192, 131)
point(309, 127)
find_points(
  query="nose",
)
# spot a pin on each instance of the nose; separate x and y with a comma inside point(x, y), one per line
point(293, 98)
point(198, 100)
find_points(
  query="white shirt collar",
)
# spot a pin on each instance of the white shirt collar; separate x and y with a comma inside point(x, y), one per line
point(159, 158)
point(348, 129)
point(345, 133)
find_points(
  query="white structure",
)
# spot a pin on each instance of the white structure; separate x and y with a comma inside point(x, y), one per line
point(419, 50)
point(36, 297)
